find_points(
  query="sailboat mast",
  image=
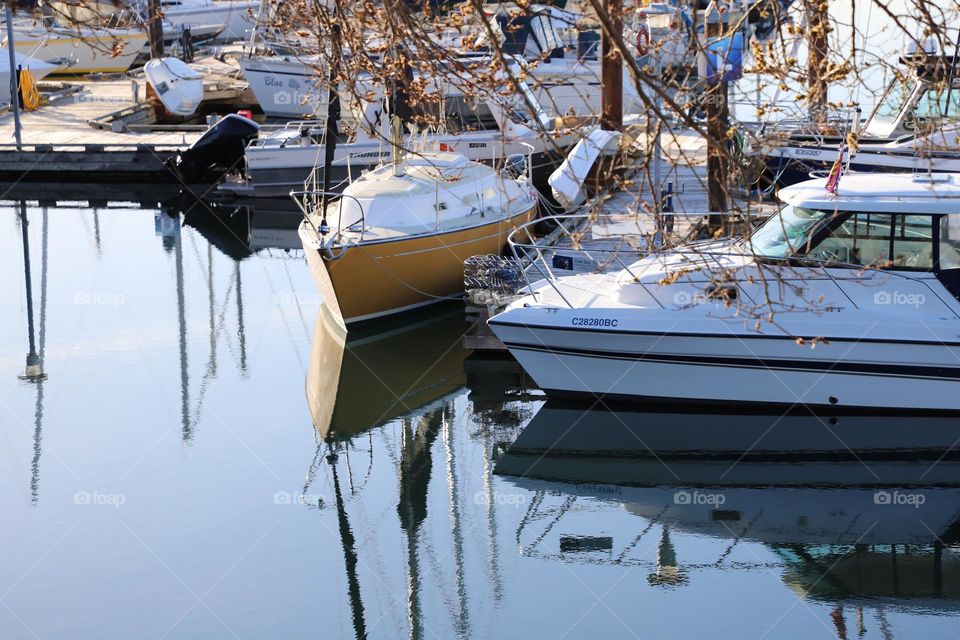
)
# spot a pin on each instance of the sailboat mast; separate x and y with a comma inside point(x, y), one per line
point(333, 116)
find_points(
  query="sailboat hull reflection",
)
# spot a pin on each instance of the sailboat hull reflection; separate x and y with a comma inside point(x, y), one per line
point(380, 374)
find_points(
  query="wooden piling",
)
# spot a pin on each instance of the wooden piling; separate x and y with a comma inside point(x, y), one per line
point(717, 118)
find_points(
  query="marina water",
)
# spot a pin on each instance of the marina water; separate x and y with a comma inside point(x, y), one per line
point(167, 480)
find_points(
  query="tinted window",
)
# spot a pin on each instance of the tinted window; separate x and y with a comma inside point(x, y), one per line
point(879, 240)
point(950, 242)
point(861, 239)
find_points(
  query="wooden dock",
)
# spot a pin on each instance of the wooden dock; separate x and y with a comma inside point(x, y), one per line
point(102, 126)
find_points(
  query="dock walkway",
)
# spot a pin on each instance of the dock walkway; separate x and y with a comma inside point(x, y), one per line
point(72, 135)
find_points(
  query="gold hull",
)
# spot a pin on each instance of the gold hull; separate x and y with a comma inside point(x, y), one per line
point(383, 277)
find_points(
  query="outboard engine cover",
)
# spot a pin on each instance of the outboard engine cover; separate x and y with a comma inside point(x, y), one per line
point(218, 150)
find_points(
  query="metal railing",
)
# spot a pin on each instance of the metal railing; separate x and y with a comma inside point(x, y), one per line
point(532, 251)
point(310, 202)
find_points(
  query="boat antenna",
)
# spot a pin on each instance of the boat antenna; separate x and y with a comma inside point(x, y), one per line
point(331, 133)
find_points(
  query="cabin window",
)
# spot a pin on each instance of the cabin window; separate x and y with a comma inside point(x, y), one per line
point(786, 233)
point(949, 242)
point(935, 105)
point(861, 239)
point(878, 240)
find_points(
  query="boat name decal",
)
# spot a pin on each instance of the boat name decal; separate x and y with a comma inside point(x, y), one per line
point(594, 322)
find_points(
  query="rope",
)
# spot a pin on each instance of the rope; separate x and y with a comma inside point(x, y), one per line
point(29, 92)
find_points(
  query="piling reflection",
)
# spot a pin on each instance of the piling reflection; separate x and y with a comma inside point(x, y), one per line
point(37, 337)
point(862, 536)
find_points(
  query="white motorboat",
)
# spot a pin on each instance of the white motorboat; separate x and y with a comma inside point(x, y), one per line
point(484, 129)
point(179, 88)
point(79, 49)
point(232, 18)
point(397, 238)
point(38, 68)
point(915, 126)
point(847, 301)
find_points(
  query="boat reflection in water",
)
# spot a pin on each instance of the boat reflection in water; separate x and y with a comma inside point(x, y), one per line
point(403, 369)
point(863, 536)
point(409, 376)
point(651, 446)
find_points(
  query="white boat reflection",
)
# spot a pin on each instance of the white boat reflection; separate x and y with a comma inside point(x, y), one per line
point(874, 535)
point(650, 447)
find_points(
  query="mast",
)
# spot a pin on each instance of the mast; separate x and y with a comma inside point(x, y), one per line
point(333, 117)
point(14, 76)
point(348, 543)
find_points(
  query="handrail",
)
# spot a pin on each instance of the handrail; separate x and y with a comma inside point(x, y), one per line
point(534, 252)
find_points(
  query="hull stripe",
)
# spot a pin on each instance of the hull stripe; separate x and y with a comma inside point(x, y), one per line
point(743, 336)
point(793, 365)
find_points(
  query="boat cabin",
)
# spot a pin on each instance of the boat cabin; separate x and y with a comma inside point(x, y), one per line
point(876, 221)
point(924, 102)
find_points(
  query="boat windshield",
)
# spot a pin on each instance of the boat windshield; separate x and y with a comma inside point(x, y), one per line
point(896, 96)
point(938, 104)
point(887, 114)
point(847, 238)
point(787, 233)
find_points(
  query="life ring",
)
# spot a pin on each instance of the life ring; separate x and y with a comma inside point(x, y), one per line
point(643, 40)
point(29, 92)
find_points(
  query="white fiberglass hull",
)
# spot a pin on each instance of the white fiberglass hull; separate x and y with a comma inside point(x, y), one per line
point(285, 87)
point(232, 17)
point(275, 168)
point(687, 368)
point(87, 51)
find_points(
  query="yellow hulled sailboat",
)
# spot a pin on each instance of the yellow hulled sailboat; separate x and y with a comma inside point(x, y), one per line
point(397, 237)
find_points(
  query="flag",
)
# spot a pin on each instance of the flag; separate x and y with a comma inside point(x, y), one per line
point(833, 179)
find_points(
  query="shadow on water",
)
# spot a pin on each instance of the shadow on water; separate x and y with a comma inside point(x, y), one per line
point(844, 528)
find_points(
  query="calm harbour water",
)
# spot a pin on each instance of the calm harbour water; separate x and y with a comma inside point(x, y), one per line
point(167, 479)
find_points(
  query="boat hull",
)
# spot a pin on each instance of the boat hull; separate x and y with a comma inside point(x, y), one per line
point(791, 165)
point(285, 88)
point(714, 369)
point(381, 278)
point(90, 53)
point(277, 172)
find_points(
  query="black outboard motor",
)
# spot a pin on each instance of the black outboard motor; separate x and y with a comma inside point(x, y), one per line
point(218, 151)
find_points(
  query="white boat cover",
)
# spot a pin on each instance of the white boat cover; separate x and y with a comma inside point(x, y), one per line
point(567, 181)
